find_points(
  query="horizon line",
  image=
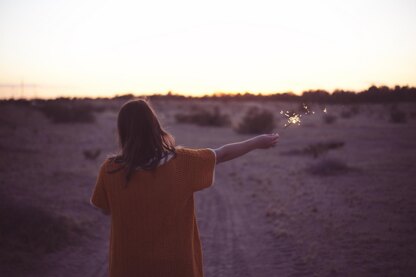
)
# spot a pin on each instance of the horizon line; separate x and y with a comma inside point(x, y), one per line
point(207, 95)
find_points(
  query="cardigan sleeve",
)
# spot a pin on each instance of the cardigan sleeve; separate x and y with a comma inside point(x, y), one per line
point(99, 197)
point(201, 168)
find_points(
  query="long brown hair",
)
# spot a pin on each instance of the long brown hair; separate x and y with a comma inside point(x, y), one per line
point(142, 140)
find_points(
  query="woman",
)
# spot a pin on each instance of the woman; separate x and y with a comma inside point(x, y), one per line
point(148, 190)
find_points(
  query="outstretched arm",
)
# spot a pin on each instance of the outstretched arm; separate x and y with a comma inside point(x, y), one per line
point(237, 149)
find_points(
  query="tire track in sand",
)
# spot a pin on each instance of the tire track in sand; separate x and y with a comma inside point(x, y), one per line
point(221, 248)
point(236, 238)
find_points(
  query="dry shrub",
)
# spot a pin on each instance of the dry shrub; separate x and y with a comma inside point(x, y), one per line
point(256, 121)
point(321, 148)
point(329, 167)
point(204, 118)
point(346, 114)
point(355, 110)
point(317, 149)
point(397, 116)
point(329, 119)
point(27, 232)
point(91, 154)
point(350, 112)
point(68, 111)
point(280, 233)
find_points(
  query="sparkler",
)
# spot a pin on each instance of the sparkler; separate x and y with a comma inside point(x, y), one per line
point(292, 119)
point(295, 118)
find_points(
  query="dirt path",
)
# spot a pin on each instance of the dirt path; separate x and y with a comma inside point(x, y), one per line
point(235, 235)
point(222, 245)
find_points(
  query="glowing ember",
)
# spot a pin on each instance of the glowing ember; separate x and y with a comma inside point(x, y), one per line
point(294, 119)
point(306, 108)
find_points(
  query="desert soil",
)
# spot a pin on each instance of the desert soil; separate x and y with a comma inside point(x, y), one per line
point(266, 214)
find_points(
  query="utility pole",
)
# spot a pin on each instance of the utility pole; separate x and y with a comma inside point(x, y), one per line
point(22, 88)
point(35, 94)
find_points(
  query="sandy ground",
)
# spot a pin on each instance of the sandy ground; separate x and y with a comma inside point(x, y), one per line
point(266, 215)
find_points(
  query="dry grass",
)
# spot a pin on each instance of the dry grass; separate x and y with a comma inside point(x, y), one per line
point(329, 119)
point(397, 116)
point(27, 232)
point(204, 118)
point(316, 149)
point(60, 111)
point(329, 167)
point(349, 112)
point(92, 154)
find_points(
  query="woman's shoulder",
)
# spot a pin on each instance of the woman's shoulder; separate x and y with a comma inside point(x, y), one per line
point(110, 164)
point(186, 150)
point(194, 152)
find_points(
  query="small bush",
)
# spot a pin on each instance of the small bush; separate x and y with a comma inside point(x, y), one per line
point(91, 154)
point(317, 149)
point(321, 148)
point(350, 112)
point(256, 121)
point(398, 116)
point(355, 110)
point(329, 119)
point(346, 114)
point(329, 167)
point(67, 112)
point(28, 231)
point(204, 118)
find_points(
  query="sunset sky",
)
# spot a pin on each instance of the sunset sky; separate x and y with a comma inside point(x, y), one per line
point(51, 48)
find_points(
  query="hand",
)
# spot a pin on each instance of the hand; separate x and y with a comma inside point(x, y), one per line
point(266, 140)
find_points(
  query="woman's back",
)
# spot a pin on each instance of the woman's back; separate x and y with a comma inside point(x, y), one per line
point(153, 226)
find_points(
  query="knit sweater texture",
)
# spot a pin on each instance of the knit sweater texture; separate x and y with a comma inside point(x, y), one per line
point(154, 232)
